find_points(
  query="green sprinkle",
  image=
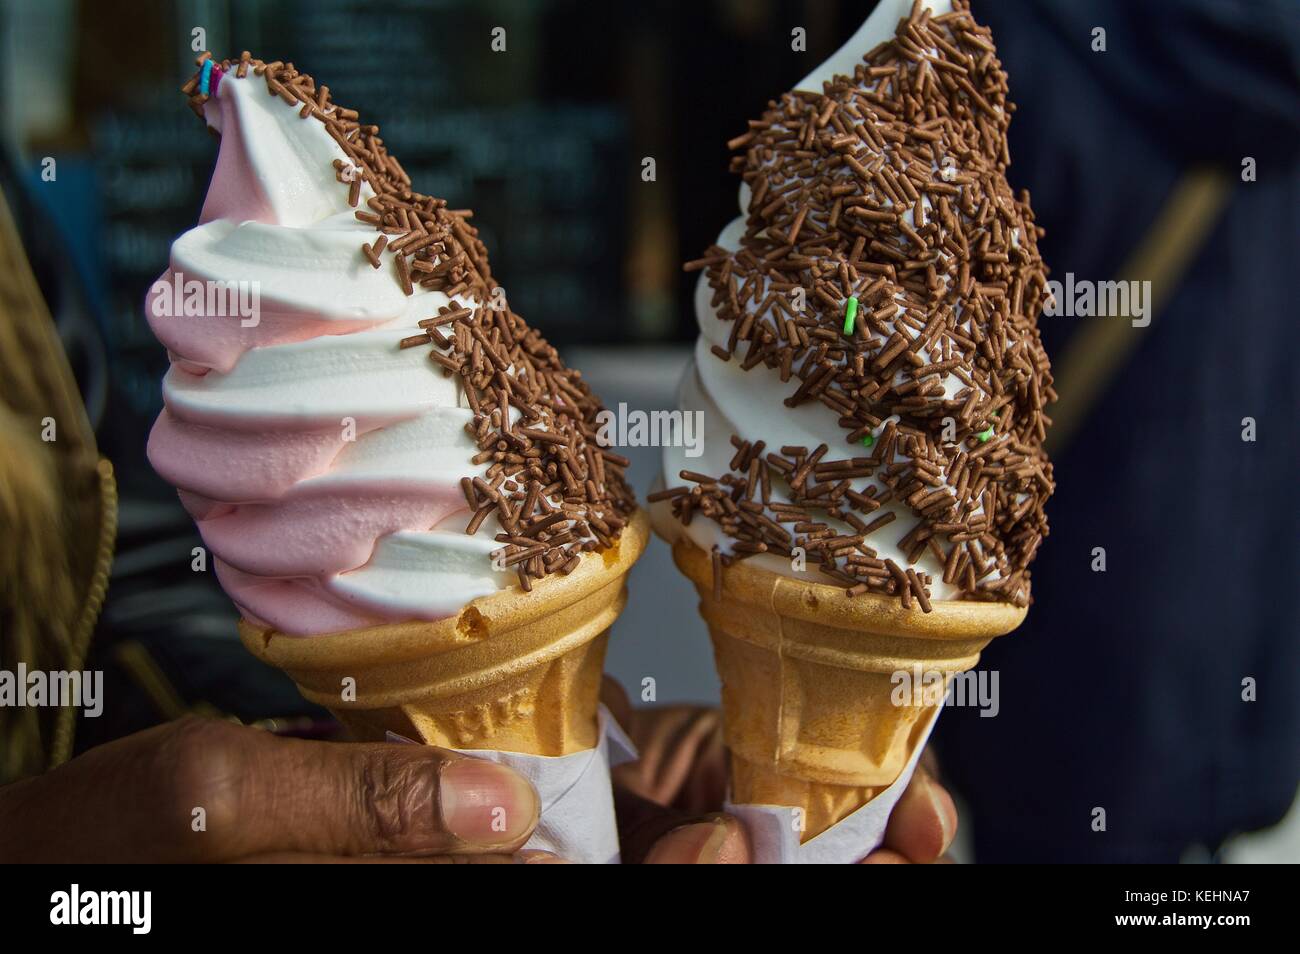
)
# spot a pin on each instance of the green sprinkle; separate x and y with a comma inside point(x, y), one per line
point(985, 435)
point(868, 441)
point(850, 312)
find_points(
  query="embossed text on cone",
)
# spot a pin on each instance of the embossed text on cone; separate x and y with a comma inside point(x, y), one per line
point(514, 671)
point(808, 687)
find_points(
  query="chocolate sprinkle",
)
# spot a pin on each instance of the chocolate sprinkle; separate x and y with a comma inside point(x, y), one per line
point(889, 187)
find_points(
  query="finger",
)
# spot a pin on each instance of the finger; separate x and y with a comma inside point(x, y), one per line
point(883, 856)
point(886, 857)
point(518, 858)
point(682, 762)
point(361, 799)
point(202, 790)
point(708, 787)
point(720, 840)
point(923, 822)
point(930, 762)
point(641, 823)
point(650, 833)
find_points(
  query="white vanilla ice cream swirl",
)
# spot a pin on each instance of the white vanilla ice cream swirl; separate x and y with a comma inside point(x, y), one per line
point(321, 461)
point(750, 404)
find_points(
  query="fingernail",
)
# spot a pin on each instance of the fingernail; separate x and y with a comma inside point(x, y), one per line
point(697, 844)
point(486, 804)
point(539, 858)
point(944, 808)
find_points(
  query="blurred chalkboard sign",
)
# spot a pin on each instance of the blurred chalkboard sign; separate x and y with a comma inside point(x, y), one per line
point(152, 166)
point(547, 180)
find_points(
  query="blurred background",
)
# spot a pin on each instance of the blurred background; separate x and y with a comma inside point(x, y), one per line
point(1124, 689)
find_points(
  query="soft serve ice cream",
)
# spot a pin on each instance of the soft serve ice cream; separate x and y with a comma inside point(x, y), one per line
point(380, 438)
point(869, 365)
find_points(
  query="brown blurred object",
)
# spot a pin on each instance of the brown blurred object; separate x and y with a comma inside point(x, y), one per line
point(58, 514)
point(1170, 246)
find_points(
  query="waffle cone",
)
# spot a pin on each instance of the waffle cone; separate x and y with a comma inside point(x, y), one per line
point(514, 671)
point(807, 681)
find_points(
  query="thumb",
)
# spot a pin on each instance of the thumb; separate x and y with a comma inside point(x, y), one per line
point(140, 798)
point(377, 798)
point(715, 840)
point(650, 833)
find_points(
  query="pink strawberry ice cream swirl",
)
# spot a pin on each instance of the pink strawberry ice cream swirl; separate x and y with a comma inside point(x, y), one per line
point(321, 462)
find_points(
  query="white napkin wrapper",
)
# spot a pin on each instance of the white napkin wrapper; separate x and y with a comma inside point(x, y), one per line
point(775, 841)
point(577, 802)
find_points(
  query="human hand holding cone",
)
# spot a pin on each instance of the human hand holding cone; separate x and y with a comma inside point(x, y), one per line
point(398, 479)
point(869, 496)
point(809, 702)
point(515, 671)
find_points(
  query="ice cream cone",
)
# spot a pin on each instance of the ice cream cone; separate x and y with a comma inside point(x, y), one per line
point(808, 687)
point(515, 671)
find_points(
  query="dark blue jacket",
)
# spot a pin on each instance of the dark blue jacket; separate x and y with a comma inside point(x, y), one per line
point(1124, 689)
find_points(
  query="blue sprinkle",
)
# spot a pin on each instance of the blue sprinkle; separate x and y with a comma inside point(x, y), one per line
point(205, 77)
